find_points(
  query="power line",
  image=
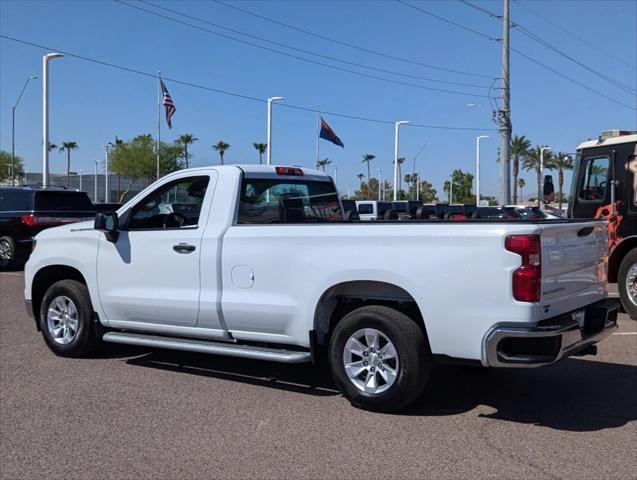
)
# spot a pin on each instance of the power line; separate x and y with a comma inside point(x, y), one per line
point(279, 52)
point(529, 34)
point(597, 92)
point(350, 45)
point(229, 93)
point(526, 32)
point(450, 22)
point(577, 37)
point(308, 52)
point(480, 9)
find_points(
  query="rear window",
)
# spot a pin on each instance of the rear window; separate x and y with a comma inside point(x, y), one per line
point(15, 200)
point(365, 209)
point(266, 201)
point(63, 202)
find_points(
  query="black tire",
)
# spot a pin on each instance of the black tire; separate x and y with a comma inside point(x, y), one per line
point(622, 283)
point(84, 341)
point(413, 353)
point(7, 253)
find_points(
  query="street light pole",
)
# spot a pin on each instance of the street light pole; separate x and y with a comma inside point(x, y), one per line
point(95, 186)
point(106, 177)
point(540, 172)
point(30, 77)
point(268, 147)
point(396, 129)
point(380, 171)
point(45, 115)
point(80, 170)
point(478, 168)
point(336, 176)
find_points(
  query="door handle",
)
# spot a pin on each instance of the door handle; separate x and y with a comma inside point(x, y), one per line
point(184, 248)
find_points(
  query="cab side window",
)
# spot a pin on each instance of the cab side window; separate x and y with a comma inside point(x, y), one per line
point(594, 181)
point(172, 206)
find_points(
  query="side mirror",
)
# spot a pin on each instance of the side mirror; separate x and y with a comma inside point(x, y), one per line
point(108, 223)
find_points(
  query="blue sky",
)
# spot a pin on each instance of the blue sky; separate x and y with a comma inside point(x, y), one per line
point(90, 103)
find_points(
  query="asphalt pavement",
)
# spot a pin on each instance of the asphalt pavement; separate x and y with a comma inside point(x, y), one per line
point(133, 413)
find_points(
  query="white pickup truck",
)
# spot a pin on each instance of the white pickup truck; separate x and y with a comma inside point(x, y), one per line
point(257, 262)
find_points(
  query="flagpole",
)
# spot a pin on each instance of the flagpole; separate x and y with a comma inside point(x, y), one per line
point(158, 118)
point(318, 134)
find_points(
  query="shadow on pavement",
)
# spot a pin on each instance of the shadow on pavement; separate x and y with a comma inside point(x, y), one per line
point(574, 395)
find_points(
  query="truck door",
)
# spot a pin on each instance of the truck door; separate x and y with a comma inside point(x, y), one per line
point(151, 273)
point(592, 190)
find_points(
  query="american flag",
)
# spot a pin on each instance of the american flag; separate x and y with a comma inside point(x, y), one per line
point(168, 104)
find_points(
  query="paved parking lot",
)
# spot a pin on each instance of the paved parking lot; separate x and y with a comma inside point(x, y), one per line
point(133, 413)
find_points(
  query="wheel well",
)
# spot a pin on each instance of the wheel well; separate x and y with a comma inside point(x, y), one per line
point(618, 255)
point(345, 297)
point(46, 277)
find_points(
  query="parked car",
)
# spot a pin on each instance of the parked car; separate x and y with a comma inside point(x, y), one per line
point(496, 212)
point(374, 210)
point(25, 211)
point(526, 211)
point(402, 210)
point(265, 267)
point(349, 210)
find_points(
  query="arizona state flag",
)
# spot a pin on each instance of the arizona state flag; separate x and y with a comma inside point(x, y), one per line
point(328, 134)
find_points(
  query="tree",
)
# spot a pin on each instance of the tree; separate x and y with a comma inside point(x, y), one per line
point(408, 180)
point(561, 161)
point(520, 183)
point(360, 180)
point(428, 194)
point(137, 159)
point(532, 162)
point(221, 147)
point(184, 140)
point(5, 166)
point(520, 146)
point(462, 184)
point(68, 146)
point(368, 157)
point(321, 164)
point(260, 147)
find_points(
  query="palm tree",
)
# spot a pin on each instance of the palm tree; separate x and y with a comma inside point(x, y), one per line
point(561, 161)
point(408, 180)
point(323, 163)
point(360, 180)
point(520, 183)
point(368, 157)
point(68, 146)
point(221, 147)
point(185, 140)
point(532, 162)
point(520, 146)
point(260, 147)
point(52, 146)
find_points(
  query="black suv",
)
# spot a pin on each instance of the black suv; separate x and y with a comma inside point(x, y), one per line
point(25, 211)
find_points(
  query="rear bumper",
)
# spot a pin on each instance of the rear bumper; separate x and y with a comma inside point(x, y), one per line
point(550, 340)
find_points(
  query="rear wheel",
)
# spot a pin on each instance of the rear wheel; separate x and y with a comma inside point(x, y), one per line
point(627, 283)
point(7, 252)
point(379, 358)
point(66, 319)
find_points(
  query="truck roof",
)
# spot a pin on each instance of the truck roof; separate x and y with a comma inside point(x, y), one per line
point(267, 170)
point(608, 141)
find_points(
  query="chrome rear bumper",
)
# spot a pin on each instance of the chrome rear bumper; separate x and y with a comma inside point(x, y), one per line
point(510, 345)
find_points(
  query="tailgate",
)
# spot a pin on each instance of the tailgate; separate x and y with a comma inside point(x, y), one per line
point(574, 265)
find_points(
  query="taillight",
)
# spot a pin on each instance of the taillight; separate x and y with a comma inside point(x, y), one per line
point(41, 220)
point(29, 220)
point(297, 172)
point(527, 278)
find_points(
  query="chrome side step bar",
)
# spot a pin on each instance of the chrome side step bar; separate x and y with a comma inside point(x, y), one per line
point(203, 346)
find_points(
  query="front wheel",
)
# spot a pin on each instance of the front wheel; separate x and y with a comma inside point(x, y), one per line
point(7, 252)
point(627, 283)
point(379, 358)
point(66, 319)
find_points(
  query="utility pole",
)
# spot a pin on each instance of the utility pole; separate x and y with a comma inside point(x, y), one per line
point(45, 116)
point(504, 114)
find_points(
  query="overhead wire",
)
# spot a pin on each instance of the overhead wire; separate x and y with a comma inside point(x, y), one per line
point(227, 92)
point(303, 59)
point(348, 44)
